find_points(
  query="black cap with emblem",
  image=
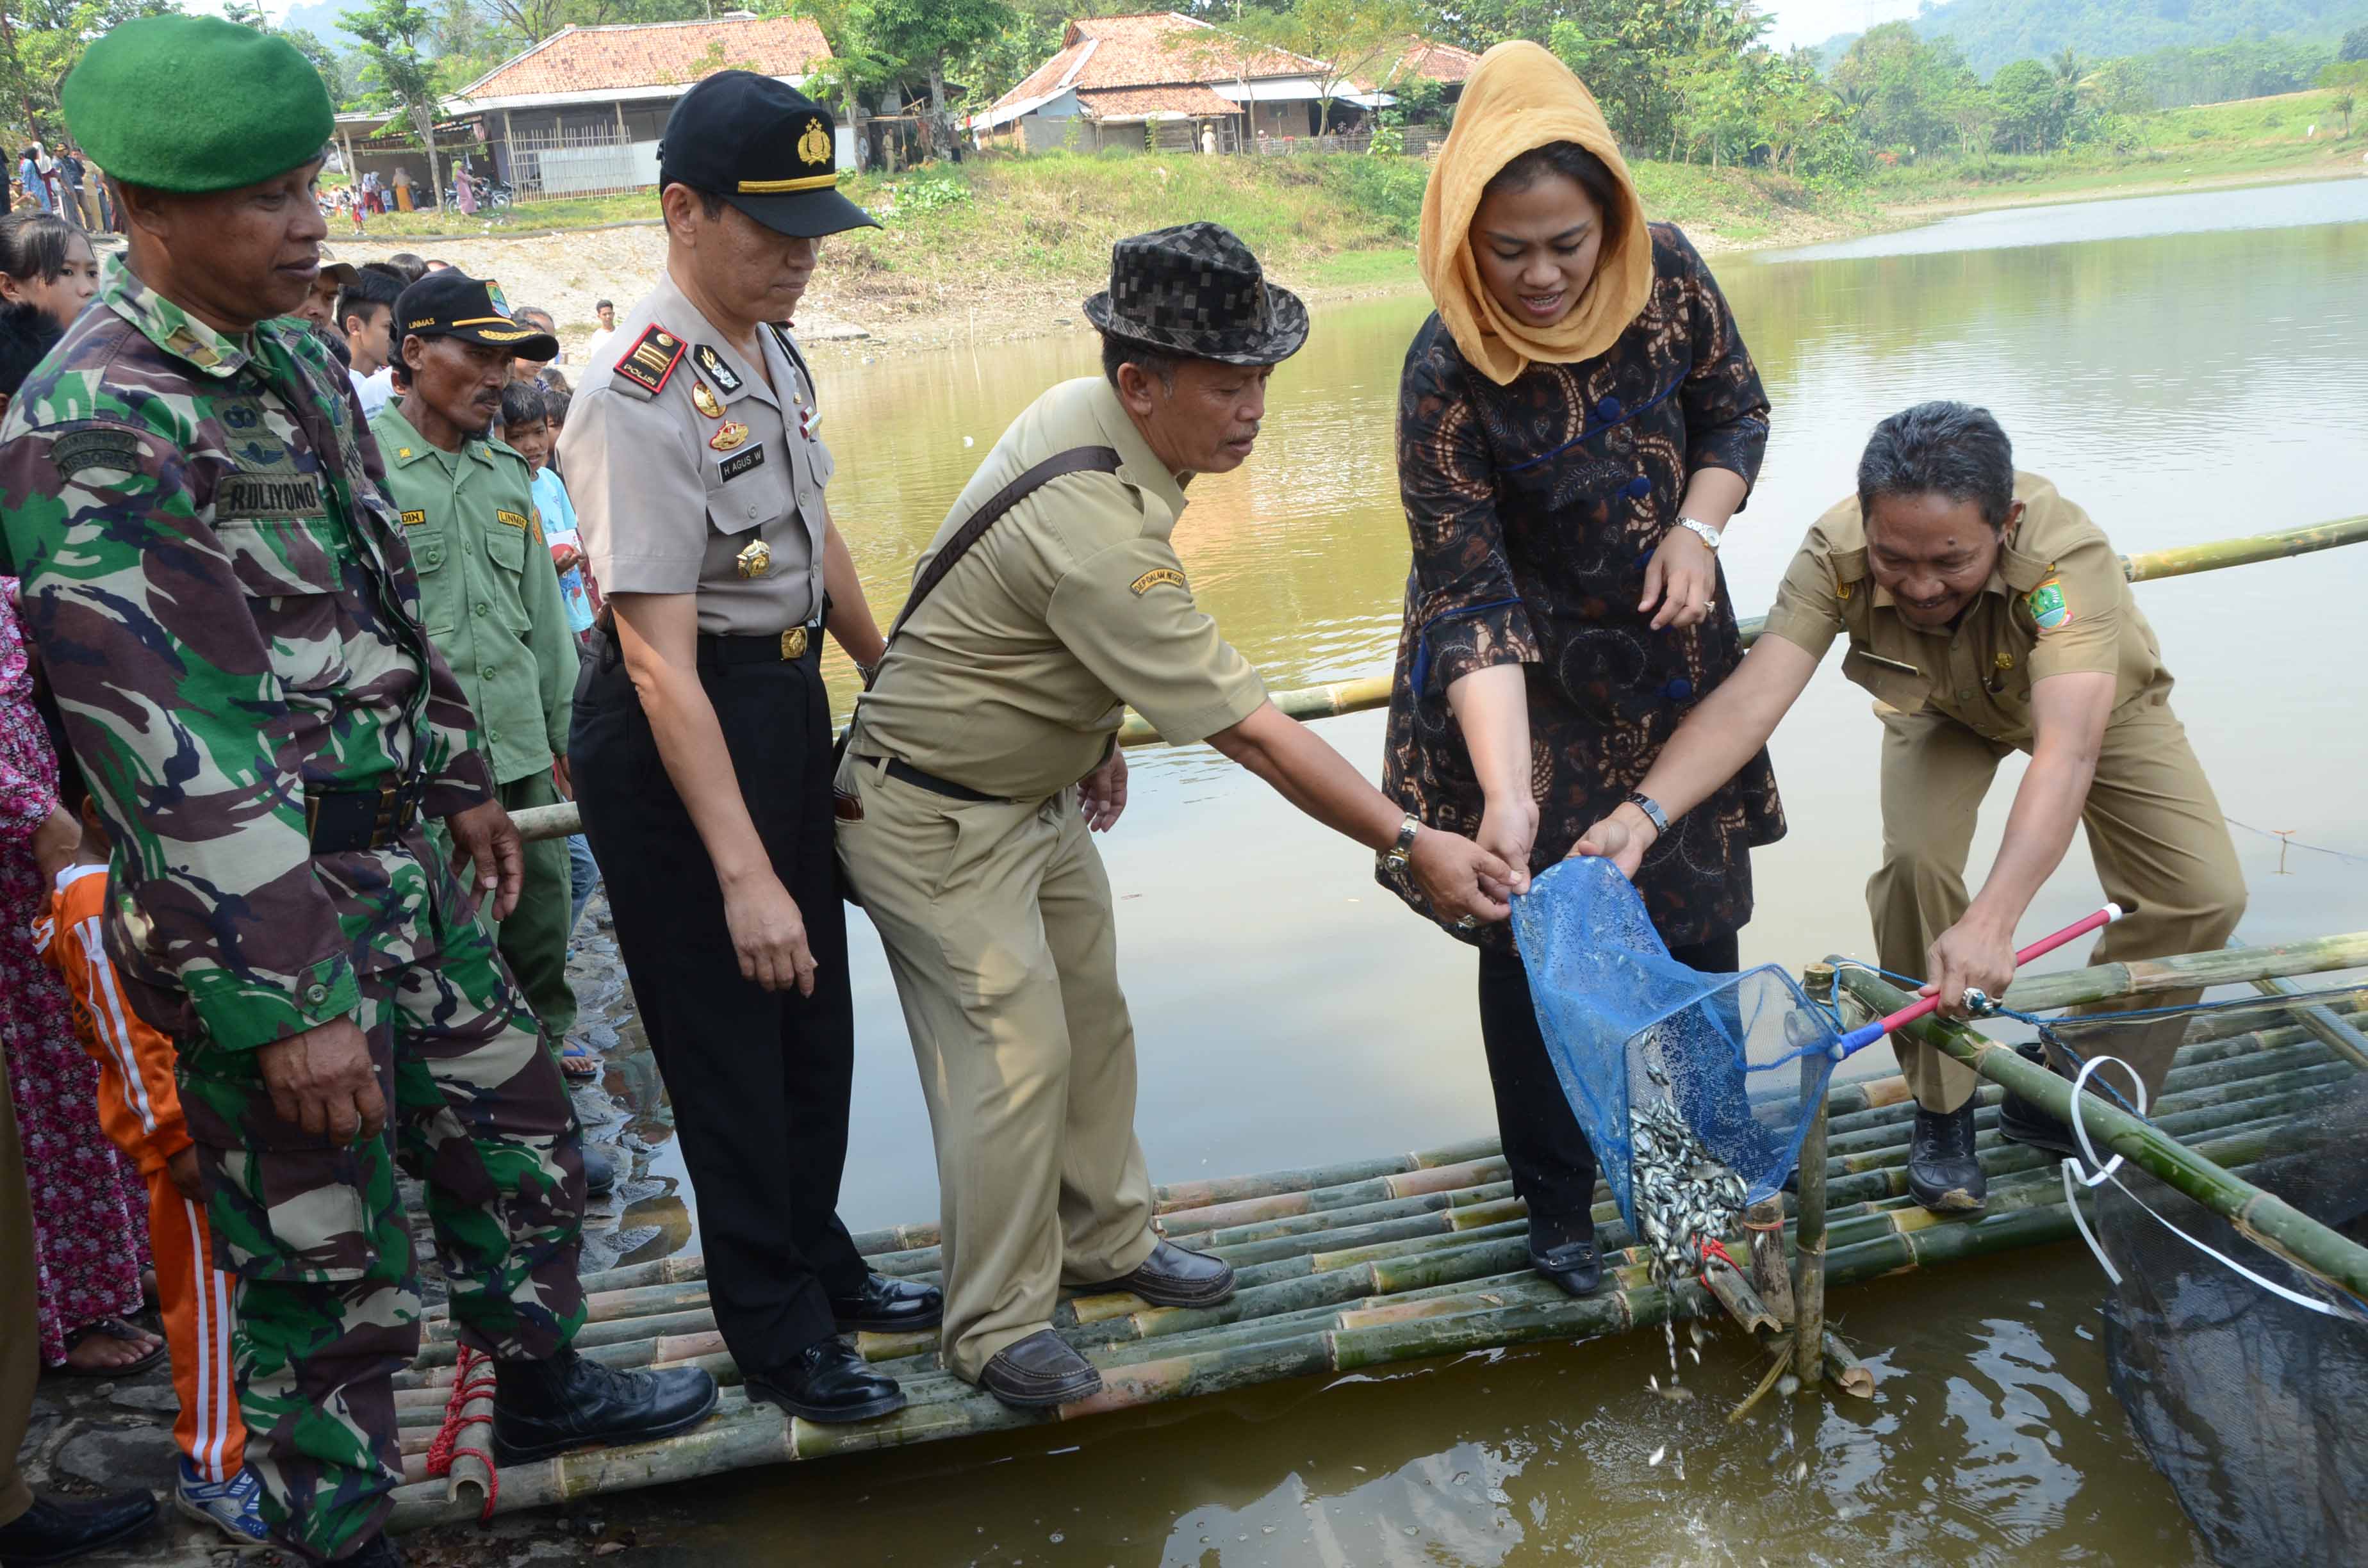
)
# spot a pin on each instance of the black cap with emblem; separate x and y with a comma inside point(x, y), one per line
point(451, 304)
point(766, 148)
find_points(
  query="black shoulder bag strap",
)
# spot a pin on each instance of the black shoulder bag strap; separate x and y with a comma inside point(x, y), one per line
point(1077, 460)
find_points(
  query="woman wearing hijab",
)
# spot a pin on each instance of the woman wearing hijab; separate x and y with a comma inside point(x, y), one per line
point(1576, 425)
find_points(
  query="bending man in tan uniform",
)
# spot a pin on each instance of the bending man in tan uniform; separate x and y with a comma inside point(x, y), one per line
point(984, 752)
point(1986, 614)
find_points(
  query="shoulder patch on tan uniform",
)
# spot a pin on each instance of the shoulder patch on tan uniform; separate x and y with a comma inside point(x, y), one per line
point(1157, 577)
point(643, 370)
point(2049, 608)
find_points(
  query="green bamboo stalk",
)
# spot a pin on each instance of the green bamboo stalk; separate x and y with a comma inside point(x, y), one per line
point(2322, 1022)
point(1809, 1226)
point(2260, 1216)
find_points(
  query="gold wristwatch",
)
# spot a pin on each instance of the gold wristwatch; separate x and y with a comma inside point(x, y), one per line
point(1395, 858)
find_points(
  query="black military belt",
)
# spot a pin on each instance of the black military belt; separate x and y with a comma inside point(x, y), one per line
point(799, 644)
point(905, 772)
point(348, 820)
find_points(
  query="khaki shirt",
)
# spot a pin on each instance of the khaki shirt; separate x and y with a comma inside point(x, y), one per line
point(1014, 672)
point(672, 498)
point(487, 589)
point(2057, 602)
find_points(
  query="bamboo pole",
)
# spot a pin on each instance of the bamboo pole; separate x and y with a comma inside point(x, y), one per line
point(1809, 1228)
point(1330, 702)
point(2321, 1021)
point(1763, 1228)
point(2260, 1216)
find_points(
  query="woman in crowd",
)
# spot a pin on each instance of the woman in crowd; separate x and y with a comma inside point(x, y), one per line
point(46, 262)
point(90, 1208)
point(1576, 425)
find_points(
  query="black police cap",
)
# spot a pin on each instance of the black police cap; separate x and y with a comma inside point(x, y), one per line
point(449, 303)
point(766, 148)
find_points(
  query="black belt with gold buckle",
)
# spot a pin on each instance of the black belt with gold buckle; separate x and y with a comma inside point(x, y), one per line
point(339, 821)
point(796, 645)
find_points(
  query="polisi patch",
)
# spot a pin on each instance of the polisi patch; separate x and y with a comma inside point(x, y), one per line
point(268, 495)
point(739, 464)
point(78, 451)
point(651, 360)
point(1158, 576)
point(2047, 605)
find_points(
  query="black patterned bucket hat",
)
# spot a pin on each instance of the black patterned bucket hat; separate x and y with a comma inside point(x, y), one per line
point(1196, 289)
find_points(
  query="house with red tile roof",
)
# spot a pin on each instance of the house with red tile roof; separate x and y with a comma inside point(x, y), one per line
point(1114, 74)
point(583, 110)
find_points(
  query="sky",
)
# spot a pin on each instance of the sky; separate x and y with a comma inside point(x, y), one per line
point(1797, 22)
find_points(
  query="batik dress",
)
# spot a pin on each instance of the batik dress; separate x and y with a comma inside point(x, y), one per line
point(90, 1208)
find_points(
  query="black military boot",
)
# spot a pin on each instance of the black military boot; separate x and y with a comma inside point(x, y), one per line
point(542, 1408)
point(1942, 1170)
point(2026, 1121)
point(55, 1530)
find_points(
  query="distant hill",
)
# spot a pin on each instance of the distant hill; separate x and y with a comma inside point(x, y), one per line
point(320, 19)
point(1993, 32)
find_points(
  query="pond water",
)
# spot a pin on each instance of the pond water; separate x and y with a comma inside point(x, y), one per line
point(2186, 368)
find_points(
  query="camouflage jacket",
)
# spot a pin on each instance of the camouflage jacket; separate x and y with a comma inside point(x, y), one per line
point(226, 606)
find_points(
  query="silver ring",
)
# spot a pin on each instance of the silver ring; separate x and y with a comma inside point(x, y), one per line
point(1711, 602)
point(1977, 1001)
point(1469, 923)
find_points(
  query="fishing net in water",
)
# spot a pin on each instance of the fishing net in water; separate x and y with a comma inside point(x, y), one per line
point(1662, 1061)
point(2252, 1403)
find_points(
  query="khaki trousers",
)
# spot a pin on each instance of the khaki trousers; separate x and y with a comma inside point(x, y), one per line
point(20, 1308)
point(996, 917)
point(2155, 832)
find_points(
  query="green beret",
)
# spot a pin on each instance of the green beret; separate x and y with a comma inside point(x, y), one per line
point(196, 104)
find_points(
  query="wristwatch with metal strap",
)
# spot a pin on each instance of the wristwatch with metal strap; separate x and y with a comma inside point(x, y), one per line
point(1395, 856)
point(1702, 530)
point(1652, 809)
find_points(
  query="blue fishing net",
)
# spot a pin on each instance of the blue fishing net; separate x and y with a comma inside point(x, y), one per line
point(1629, 1029)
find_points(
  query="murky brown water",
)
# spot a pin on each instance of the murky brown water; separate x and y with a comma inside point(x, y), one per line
point(2186, 368)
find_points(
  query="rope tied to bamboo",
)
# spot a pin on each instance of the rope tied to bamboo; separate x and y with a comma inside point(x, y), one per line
point(472, 1378)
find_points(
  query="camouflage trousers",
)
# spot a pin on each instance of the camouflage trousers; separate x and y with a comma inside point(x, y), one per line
point(314, 1230)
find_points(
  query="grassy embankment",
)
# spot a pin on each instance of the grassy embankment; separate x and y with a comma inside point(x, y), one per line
point(1045, 224)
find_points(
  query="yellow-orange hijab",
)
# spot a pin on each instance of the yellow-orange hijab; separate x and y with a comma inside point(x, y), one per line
point(1520, 97)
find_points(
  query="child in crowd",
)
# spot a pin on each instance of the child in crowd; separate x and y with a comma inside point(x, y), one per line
point(140, 1107)
point(527, 428)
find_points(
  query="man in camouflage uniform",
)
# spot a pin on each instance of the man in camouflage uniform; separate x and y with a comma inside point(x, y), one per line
point(230, 619)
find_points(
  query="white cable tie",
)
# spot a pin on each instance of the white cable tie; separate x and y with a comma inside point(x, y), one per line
point(2103, 1168)
point(2071, 1201)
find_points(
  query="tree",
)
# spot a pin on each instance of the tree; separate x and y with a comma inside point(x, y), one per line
point(2354, 45)
point(531, 20)
point(393, 65)
point(2026, 97)
point(926, 34)
point(855, 67)
point(1910, 93)
point(1357, 41)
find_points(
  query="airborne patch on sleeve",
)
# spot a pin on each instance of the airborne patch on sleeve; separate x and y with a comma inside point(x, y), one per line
point(78, 450)
point(650, 360)
point(1158, 576)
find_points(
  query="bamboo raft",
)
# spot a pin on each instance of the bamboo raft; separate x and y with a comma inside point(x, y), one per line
point(1408, 1256)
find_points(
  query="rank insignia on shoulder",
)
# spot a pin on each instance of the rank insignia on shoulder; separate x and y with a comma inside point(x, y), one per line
point(728, 434)
point(713, 365)
point(1158, 576)
point(705, 401)
point(2048, 607)
point(650, 361)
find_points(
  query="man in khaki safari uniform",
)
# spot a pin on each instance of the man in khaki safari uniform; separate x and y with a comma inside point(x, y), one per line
point(985, 752)
point(1987, 614)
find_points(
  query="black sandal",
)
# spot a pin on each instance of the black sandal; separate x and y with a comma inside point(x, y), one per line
point(114, 1328)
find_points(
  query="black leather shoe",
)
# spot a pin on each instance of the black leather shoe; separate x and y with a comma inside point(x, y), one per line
point(2023, 1121)
point(1172, 1277)
point(1039, 1372)
point(56, 1531)
point(542, 1408)
point(828, 1382)
point(1942, 1173)
point(1571, 1261)
point(889, 1306)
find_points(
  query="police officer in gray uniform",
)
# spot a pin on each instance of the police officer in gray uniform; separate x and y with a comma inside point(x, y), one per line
point(702, 746)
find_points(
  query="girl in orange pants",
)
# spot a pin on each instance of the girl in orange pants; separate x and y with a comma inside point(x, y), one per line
point(140, 1106)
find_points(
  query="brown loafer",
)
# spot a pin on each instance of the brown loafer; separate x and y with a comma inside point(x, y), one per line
point(1172, 1277)
point(1039, 1372)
